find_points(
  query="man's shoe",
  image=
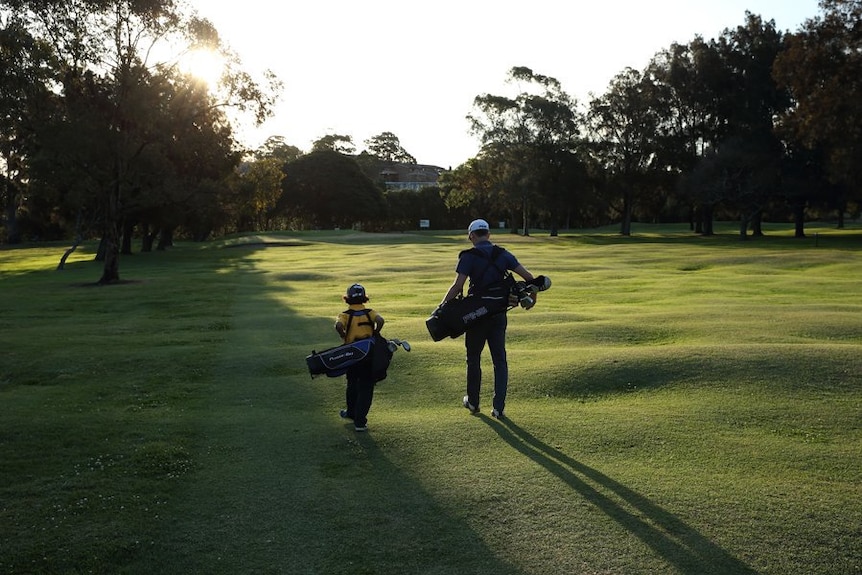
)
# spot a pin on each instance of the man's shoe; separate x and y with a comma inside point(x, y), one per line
point(496, 414)
point(473, 409)
point(344, 415)
point(360, 428)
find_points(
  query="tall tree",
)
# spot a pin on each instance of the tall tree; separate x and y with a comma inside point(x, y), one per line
point(625, 124)
point(24, 100)
point(387, 147)
point(334, 142)
point(102, 48)
point(523, 134)
point(327, 189)
point(822, 68)
point(750, 147)
point(689, 80)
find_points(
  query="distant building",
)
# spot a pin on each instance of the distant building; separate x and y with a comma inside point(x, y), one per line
point(401, 176)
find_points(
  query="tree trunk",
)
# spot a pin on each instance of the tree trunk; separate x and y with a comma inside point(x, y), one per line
point(148, 238)
point(100, 251)
point(13, 233)
point(62, 265)
point(626, 228)
point(799, 220)
point(111, 270)
point(128, 228)
point(166, 239)
point(79, 237)
point(524, 216)
point(757, 224)
point(708, 228)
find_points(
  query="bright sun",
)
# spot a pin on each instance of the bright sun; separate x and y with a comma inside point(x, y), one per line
point(205, 65)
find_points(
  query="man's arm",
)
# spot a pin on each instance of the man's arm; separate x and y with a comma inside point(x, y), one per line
point(456, 289)
point(523, 272)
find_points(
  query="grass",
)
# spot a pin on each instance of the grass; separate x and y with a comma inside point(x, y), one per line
point(677, 405)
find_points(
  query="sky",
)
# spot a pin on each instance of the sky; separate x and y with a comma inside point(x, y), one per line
point(413, 68)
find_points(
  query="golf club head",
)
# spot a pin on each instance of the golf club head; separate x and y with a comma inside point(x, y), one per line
point(541, 283)
point(401, 342)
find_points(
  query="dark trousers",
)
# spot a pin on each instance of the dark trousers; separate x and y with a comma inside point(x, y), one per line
point(493, 332)
point(360, 392)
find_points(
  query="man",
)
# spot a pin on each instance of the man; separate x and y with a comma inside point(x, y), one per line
point(485, 265)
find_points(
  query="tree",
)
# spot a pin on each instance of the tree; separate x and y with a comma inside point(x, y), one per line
point(822, 68)
point(750, 148)
point(625, 124)
point(264, 180)
point(716, 102)
point(406, 208)
point(24, 99)
point(276, 148)
point(523, 134)
point(689, 80)
point(335, 143)
point(473, 187)
point(107, 85)
point(327, 189)
point(387, 148)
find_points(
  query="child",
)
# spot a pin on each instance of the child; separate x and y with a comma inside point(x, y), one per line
point(358, 322)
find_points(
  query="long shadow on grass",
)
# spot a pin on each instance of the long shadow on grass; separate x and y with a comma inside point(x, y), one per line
point(282, 485)
point(406, 529)
point(676, 542)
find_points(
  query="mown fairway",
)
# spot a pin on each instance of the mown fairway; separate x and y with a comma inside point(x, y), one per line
point(677, 405)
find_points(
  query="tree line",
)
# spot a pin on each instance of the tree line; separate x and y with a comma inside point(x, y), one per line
point(753, 124)
point(103, 133)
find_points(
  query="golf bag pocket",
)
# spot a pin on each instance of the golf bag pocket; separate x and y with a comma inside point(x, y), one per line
point(334, 362)
point(381, 357)
point(457, 315)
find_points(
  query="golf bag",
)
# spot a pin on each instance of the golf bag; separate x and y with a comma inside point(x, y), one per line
point(377, 350)
point(336, 361)
point(458, 314)
point(333, 362)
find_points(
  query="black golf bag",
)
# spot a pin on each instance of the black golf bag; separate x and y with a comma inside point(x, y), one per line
point(458, 314)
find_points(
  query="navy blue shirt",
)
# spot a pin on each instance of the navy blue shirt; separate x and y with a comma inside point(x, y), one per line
point(479, 268)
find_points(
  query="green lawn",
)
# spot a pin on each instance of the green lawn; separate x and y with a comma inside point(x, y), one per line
point(678, 404)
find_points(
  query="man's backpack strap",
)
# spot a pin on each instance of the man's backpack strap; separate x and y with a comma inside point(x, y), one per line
point(496, 252)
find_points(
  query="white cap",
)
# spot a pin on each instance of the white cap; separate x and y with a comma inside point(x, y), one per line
point(477, 225)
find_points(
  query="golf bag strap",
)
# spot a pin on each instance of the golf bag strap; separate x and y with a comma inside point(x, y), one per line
point(495, 254)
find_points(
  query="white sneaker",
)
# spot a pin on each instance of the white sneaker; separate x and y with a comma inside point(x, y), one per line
point(496, 414)
point(474, 410)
